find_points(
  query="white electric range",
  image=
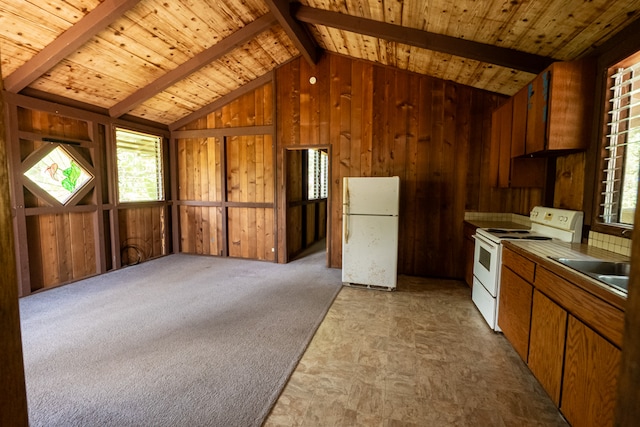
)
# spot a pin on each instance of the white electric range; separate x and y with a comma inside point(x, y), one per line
point(546, 224)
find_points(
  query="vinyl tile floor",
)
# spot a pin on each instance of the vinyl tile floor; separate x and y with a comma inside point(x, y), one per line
point(419, 356)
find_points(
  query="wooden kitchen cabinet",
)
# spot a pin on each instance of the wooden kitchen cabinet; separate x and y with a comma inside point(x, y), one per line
point(514, 312)
point(546, 344)
point(507, 171)
point(591, 370)
point(560, 107)
point(573, 339)
point(519, 123)
point(500, 161)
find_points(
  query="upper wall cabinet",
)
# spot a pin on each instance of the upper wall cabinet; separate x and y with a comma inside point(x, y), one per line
point(559, 108)
point(508, 171)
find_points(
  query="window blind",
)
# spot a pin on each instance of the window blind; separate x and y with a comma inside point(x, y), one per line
point(622, 148)
point(139, 158)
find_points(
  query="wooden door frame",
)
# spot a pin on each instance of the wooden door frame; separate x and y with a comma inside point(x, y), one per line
point(284, 201)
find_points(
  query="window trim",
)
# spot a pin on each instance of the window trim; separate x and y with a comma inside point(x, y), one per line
point(624, 59)
point(164, 163)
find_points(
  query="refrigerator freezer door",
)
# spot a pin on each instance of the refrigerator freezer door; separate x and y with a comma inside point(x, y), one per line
point(370, 251)
point(371, 196)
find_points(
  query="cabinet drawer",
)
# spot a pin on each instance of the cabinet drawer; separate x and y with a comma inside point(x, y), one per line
point(519, 264)
point(599, 315)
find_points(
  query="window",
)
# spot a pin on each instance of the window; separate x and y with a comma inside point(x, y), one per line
point(139, 166)
point(59, 174)
point(318, 168)
point(622, 144)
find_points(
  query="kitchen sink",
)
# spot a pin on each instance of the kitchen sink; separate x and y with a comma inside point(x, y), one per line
point(615, 274)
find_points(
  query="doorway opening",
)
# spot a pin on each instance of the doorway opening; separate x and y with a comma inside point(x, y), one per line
point(307, 195)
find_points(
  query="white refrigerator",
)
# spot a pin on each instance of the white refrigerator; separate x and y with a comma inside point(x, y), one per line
point(370, 231)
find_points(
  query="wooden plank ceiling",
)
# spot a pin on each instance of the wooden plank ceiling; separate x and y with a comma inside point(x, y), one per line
point(166, 60)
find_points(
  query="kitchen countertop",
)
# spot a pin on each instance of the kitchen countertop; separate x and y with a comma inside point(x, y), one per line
point(540, 251)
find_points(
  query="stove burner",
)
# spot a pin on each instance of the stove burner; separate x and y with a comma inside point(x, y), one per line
point(503, 231)
point(536, 238)
point(496, 230)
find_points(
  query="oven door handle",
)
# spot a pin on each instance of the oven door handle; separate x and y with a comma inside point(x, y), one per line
point(484, 241)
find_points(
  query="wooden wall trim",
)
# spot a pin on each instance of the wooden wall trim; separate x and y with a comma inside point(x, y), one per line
point(222, 132)
point(13, 404)
point(61, 109)
point(173, 173)
point(627, 407)
point(220, 204)
point(19, 223)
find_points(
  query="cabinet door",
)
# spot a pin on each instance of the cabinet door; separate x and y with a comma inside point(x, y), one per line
point(514, 312)
point(570, 105)
point(546, 345)
point(504, 168)
point(590, 379)
point(537, 112)
point(519, 123)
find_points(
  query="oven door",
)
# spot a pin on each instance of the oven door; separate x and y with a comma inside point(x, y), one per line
point(486, 263)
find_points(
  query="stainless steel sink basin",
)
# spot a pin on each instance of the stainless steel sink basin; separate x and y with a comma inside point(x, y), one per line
point(620, 282)
point(615, 274)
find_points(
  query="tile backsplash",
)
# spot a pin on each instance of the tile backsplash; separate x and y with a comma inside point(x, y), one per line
point(616, 244)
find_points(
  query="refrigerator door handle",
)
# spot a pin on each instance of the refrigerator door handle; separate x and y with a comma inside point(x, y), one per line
point(345, 228)
point(345, 211)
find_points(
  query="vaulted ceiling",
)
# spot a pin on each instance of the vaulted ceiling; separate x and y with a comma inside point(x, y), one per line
point(164, 60)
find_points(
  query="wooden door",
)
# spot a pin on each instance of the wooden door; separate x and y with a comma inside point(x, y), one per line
point(546, 343)
point(592, 365)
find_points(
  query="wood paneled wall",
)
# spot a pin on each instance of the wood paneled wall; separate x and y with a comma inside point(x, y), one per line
point(143, 232)
point(61, 248)
point(59, 244)
point(226, 184)
point(380, 121)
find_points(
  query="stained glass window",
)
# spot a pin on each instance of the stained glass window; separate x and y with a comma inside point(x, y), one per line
point(59, 174)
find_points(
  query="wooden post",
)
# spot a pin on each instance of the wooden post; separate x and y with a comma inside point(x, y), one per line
point(628, 402)
point(13, 403)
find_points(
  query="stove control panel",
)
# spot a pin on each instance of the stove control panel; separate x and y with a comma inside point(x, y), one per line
point(558, 218)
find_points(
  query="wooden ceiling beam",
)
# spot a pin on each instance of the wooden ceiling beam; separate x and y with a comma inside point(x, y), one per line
point(504, 57)
point(74, 37)
point(202, 59)
point(296, 32)
point(222, 101)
